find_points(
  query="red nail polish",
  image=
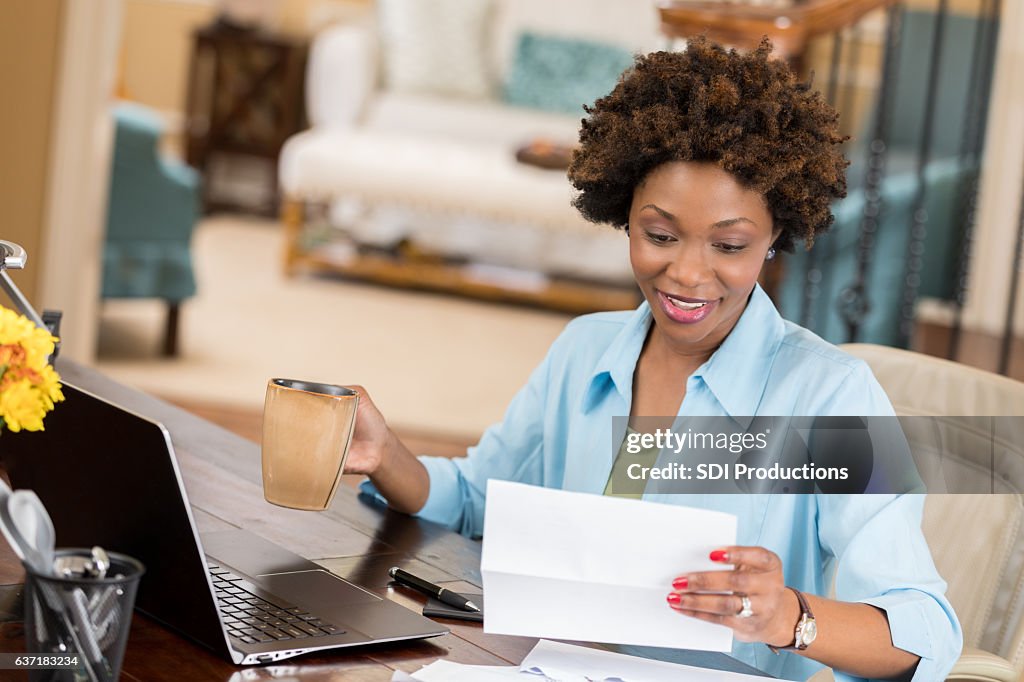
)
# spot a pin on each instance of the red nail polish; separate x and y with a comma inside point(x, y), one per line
point(719, 555)
point(673, 598)
point(680, 583)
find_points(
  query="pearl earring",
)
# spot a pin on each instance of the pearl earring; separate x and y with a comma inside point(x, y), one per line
point(771, 254)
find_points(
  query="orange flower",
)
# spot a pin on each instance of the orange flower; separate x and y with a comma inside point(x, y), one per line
point(12, 354)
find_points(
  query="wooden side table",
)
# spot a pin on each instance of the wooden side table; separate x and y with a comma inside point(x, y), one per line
point(245, 98)
point(790, 24)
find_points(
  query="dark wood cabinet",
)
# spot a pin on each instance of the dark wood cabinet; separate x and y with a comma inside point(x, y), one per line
point(245, 98)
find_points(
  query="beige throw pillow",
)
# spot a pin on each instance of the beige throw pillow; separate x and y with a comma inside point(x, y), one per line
point(436, 46)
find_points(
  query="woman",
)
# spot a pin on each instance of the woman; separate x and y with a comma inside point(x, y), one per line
point(711, 161)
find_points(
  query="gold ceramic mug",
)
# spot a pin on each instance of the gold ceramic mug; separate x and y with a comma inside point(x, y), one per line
point(307, 428)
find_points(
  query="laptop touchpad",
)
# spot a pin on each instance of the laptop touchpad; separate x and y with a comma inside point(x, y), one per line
point(315, 590)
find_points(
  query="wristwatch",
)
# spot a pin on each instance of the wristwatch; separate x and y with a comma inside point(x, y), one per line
point(806, 627)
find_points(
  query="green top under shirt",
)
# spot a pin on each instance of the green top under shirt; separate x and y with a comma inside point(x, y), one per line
point(619, 483)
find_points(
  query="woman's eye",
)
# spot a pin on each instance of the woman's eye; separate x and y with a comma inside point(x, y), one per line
point(658, 237)
point(730, 248)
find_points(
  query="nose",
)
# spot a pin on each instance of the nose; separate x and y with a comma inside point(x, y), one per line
point(691, 266)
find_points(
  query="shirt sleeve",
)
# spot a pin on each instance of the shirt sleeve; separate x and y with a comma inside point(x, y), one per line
point(884, 560)
point(883, 556)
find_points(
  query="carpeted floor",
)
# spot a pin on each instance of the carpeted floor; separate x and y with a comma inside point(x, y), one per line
point(434, 364)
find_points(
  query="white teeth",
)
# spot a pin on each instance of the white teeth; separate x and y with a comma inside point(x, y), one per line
point(682, 305)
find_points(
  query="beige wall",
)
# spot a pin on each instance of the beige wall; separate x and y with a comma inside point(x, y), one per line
point(157, 42)
point(999, 200)
point(81, 133)
point(155, 49)
point(29, 57)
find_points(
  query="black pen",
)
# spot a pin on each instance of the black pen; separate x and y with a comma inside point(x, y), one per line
point(439, 593)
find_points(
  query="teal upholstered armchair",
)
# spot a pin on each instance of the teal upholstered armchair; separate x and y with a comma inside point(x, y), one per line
point(152, 209)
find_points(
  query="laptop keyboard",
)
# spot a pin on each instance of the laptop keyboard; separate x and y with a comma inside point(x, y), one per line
point(251, 619)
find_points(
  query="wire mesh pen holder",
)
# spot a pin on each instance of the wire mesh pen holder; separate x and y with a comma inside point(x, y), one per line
point(84, 618)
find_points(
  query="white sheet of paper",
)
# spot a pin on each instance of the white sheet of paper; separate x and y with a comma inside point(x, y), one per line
point(446, 671)
point(561, 661)
point(566, 565)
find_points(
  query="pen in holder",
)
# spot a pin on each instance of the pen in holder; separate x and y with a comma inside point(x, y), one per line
point(80, 614)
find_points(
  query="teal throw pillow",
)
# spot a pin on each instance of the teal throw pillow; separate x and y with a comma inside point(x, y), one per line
point(562, 74)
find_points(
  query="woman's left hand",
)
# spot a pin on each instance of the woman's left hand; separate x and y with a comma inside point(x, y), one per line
point(756, 574)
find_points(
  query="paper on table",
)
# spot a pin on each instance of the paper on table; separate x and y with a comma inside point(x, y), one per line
point(446, 671)
point(567, 565)
point(559, 661)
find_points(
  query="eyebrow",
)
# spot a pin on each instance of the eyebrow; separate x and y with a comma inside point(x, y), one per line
point(721, 223)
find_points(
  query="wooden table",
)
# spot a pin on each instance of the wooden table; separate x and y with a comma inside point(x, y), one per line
point(791, 26)
point(409, 267)
point(357, 539)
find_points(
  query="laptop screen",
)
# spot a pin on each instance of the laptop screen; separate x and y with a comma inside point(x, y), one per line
point(108, 477)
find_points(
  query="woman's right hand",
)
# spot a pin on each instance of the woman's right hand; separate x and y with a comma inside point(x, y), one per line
point(377, 452)
point(371, 438)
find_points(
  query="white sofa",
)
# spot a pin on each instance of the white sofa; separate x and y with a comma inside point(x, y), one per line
point(438, 171)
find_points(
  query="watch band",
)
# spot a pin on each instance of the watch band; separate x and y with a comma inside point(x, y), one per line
point(805, 608)
point(805, 615)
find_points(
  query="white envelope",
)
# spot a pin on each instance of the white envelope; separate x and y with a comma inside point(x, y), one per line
point(565, 565)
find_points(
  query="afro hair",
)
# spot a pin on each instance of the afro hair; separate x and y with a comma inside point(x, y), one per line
point(745, 112)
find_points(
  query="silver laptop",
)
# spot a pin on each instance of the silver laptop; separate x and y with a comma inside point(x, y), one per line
point(109, 477)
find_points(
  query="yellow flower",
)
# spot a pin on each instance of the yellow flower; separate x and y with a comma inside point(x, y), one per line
point(38, 346)
point(17, 329)
point(21, 407)
point(49, 387)
point(13, 327)
point(29, 387)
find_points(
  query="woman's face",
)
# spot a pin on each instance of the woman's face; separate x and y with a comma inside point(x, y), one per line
point(697, 241)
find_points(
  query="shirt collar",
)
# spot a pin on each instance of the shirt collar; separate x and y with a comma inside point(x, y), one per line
point(614, 370)
point(736, 373)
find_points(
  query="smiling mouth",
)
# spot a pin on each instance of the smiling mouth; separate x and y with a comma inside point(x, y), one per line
point(683, 305)
point(688, 304)
point(685, 310)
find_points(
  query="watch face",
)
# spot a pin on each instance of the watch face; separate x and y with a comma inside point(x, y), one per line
point(808, 632)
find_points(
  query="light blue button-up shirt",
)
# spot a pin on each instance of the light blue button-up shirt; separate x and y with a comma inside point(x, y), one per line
point(557, 432)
